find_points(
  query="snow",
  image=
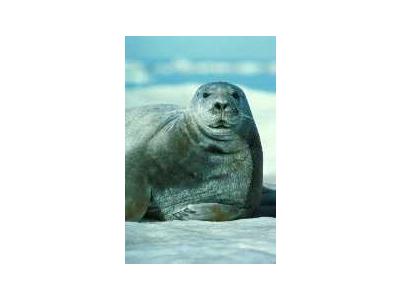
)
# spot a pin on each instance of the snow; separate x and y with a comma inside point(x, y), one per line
point(240, 241)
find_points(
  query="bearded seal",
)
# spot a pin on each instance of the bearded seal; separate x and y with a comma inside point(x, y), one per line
point(203, 162)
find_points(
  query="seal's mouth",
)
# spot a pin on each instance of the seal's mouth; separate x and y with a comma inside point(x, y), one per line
point(220, 124)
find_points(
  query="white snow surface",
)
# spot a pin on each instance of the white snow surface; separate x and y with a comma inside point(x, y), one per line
point(249, 241)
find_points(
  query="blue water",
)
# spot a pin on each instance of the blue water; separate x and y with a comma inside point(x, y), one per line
point(263, 81)
point(201, 47)
point(151, 51)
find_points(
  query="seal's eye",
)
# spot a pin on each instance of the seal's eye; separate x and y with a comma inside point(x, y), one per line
point(235, 95)
point(205, 95)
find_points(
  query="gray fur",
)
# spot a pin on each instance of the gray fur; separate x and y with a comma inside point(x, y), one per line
point(203, 162)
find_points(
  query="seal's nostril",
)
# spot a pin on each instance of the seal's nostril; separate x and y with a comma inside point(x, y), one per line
point(220, 106)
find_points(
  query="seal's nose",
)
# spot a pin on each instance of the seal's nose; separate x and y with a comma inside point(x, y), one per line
point(221, 105)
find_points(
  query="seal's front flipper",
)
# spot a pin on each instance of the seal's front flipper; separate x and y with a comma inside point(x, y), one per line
point(208, 212)
point(137, 200)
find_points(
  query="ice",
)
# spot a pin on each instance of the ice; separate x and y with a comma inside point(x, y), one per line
point(239, 241)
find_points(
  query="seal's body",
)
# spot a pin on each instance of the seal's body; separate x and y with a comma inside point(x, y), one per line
point(203, 162)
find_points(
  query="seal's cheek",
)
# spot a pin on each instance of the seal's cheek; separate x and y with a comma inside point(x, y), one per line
point(205, 115)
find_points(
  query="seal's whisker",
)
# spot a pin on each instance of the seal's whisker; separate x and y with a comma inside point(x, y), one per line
point(246, 116)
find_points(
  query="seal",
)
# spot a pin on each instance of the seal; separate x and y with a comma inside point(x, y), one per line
point(203, 162)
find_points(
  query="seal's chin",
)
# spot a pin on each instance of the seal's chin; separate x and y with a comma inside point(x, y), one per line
point(221, 129)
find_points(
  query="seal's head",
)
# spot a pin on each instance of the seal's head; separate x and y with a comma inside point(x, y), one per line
point(220, 108)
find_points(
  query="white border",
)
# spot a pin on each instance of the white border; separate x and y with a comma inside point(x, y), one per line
point(62, 101)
